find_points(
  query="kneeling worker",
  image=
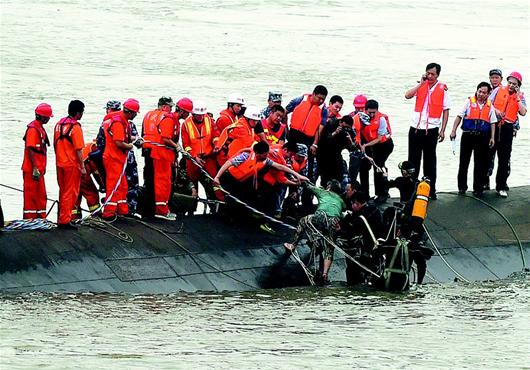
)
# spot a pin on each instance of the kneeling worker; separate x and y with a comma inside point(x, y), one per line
point(240, 173)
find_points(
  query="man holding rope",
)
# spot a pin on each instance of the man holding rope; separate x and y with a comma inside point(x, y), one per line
point(117, 145)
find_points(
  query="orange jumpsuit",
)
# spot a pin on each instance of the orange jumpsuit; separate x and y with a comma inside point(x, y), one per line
point(163, 159)
point(68, 139)
point(114, 160)
point(88, 190)
point(36, 140)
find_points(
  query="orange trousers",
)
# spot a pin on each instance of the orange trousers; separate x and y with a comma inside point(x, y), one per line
point(34, 197)
point(162, 171)
point(69, 179)
point(89, 191)
point(118, 201)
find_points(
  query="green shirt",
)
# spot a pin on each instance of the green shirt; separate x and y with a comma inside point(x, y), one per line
point(328, 202)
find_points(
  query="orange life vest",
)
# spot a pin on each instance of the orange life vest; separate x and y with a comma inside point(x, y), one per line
point(507, 103)
point(358, 126)
point(89, 148)
point(39, 148)
point(200, 142)
point(150, 127)
point(435, 101)
point(226, 118)
point(306, 117)
point(273, 175)
point(242, 136)
point(298, 167)
point(248, 168)
point(111, 150)
point(271, 136)
point(369, 132)
point(478, 119)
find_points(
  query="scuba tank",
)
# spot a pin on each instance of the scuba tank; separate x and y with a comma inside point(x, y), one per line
point(421, 199)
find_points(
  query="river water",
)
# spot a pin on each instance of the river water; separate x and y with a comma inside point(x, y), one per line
point(99, 50)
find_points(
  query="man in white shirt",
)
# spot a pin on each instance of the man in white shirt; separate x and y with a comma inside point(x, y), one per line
point(431, 113)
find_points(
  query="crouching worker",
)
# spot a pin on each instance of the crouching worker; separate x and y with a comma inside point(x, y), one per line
point(321, 228)
point(239, 175)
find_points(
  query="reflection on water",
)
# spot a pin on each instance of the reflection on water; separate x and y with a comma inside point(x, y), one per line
point(433, 326)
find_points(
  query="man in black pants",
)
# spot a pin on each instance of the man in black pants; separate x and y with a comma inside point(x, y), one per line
point(376, 143)
point(431, 113)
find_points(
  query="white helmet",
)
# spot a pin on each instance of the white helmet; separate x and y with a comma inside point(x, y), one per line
point(253, 112)
point(235, 99)
point(199, 108)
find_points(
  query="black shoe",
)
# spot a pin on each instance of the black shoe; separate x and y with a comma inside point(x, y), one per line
point(461, 192)
point(478, 193)
point(69, 225)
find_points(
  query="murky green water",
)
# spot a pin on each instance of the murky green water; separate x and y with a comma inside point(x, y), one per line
point(451, 326)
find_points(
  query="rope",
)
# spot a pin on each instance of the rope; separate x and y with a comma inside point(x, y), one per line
point(103, 226)
point(308, 273)
point(189, 253)
point(442, 257)
point(521, 250)
point(30, 224)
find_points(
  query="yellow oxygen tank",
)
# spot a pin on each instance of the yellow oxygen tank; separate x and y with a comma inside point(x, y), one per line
point(419, 209)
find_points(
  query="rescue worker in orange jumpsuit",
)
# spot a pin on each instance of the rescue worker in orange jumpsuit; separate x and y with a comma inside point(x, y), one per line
point(69, 143)
point(88, 189)
point(241, 134)
point(34, 164)
point(151, 135)
point(199, 136)
point(117, 145)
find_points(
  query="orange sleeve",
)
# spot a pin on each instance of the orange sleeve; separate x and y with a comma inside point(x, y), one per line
point(185, 136)
point(32, 138)
point(167, 128)
point(77, 137)
point(118, 131)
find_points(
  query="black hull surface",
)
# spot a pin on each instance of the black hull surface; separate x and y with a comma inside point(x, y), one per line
point(204, 253)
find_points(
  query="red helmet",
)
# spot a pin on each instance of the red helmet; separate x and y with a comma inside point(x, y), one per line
point(517, 76)
point(132, 105)
point(360, 101)
point(44, 110)
point(185, 104)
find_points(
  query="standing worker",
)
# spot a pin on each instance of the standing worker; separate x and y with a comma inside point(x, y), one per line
point(34, 164)
point(117, 145)
point(377, 143)
point(309, 116)
point(431, 113)
point(509, 103)
point(68, 142)
point(478, 135)
point(151, 135)
point(199, 136)
point(495, 76)
point(230, 115)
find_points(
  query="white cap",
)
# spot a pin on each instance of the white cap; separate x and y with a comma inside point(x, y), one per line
point(235, 99)
point(199, 108)
point(253, 112)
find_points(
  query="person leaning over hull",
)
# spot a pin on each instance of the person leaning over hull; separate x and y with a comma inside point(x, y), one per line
point(509, 103)
point(34, 165)
point(431, 113)
point(68, 143)
point(478, 135)
point(117, 145)
point(376, 139)
point(239, 175)
point(321, 227)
